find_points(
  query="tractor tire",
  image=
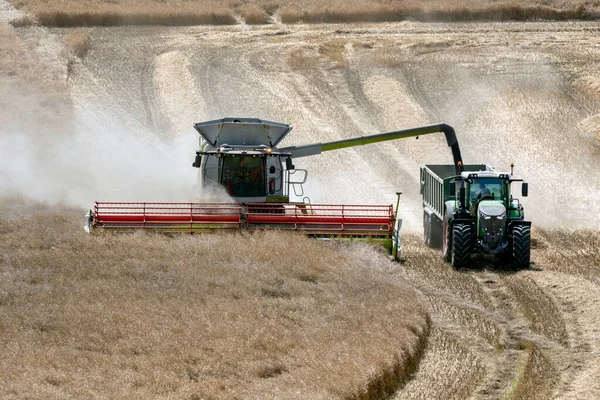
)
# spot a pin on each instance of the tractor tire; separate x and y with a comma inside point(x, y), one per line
point(521, 247)
point(447, 240)
point(462, 245)
point(435, 232)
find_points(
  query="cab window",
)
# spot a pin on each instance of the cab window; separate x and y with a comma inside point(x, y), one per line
point(244, 176)
point(482, 188)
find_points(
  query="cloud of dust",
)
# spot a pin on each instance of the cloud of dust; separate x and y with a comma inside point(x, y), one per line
point(99, 162)
point(528, 117)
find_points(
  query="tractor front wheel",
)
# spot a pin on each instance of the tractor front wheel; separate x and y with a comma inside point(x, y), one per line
point(521, 247)
point(462, 245)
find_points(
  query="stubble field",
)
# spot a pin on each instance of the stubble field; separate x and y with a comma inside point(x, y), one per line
point(105, 114)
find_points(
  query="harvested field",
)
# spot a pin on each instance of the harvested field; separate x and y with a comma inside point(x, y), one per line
point(210, 12)
point(105, 114)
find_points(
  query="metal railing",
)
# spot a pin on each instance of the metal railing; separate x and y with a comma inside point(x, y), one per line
point(314, 219)
point(323, 219)
point(172, 217)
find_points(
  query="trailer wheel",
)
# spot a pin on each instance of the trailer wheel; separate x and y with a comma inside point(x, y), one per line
point(426, 229)
point(447, 240)
point(462, 245)
point(521, 248)
point(432, 231)
point(435, 232)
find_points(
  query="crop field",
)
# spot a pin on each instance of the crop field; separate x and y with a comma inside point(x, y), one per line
point(97, 103)
point(195, 12)
point(222, 316)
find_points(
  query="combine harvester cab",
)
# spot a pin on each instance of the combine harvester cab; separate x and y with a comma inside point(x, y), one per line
point(241, 156)
point(474, 212)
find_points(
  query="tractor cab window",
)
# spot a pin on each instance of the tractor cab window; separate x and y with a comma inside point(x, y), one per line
point(244, 176)
point(486, 189)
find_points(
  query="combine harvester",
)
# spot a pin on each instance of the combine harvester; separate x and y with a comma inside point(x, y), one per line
point(241, 156)
point(474, 212)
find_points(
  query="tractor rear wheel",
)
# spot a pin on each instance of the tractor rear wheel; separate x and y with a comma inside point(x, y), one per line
point(462, 245)
point(521, 247)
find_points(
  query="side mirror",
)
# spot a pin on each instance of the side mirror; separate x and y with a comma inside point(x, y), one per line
point(524, 189)
point(198, 161)
point(452, 188)
point(461, 196)
point(288, 164)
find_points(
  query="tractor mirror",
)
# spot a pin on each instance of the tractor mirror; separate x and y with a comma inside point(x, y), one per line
point(452, 188)
point(524, 189)
point(461, 196)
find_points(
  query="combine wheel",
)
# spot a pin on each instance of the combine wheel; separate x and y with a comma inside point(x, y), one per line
point(462, 245)
point(521, 247)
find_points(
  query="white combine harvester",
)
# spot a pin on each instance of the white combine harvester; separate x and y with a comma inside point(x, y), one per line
point(242, 156)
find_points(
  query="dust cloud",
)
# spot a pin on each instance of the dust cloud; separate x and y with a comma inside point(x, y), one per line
point(56, 148)
point(105, 162)
point(130, 140)
point(516, 106)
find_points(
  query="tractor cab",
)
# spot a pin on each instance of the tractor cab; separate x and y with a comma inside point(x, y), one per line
point(484, 187)
point(487, 200)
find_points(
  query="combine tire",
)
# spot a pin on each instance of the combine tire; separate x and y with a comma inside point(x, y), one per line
point(462, 245)
point(521, 247)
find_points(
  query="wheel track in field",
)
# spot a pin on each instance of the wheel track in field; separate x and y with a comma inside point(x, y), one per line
point(478, 327)
point(523, 310)
point(512, 332)
point(577, 298)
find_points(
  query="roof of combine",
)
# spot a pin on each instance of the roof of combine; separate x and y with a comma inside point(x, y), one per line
point(242, 132)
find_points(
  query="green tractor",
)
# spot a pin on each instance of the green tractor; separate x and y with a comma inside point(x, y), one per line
point(474, 212)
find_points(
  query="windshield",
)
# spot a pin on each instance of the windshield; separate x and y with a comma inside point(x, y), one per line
point(486, 189)
point(244, 176)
